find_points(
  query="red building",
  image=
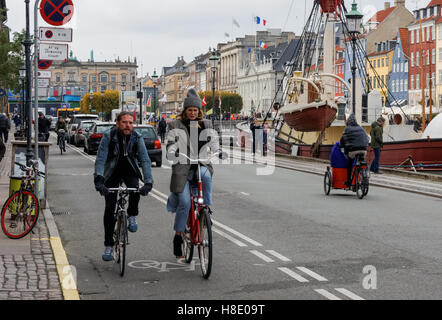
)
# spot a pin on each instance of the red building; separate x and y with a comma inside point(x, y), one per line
point(339, 71)
point(422, 51)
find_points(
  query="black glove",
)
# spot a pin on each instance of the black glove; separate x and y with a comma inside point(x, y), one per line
point(100, 187)
point(223, 155)
point(144, 191)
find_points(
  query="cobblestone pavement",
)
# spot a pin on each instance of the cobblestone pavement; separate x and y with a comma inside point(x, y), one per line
point(30, 276)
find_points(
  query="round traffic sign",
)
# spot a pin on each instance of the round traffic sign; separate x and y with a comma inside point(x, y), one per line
point(44, 64)
point(56, 12)
point(49, 34)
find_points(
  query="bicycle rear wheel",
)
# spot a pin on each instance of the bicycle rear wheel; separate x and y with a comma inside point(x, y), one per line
point(205, 246)
point(19, 214)
point(327, 182)
point(187, 246)
point(360, 190)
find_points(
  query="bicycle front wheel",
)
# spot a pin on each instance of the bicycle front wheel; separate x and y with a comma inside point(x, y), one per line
point(205, 246)
point(19, 214)
point(123, 244)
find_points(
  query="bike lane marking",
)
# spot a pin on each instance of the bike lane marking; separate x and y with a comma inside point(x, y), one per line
point(327, 294)
point(278, 255)
point(312, 274)
point(227, 236)
point(349, 294)
point(262, 256)
point(293, 274)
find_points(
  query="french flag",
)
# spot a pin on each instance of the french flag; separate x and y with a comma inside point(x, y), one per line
point(263, 45)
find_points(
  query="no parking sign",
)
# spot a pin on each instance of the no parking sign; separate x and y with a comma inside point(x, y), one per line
point(57, 12)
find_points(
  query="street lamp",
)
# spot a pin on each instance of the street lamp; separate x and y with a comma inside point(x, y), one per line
point(27, 44)
point(213, 60)
point(354, 21)
point(90, 101)
point(22, 72)
point(154, 79)
point(123, 88)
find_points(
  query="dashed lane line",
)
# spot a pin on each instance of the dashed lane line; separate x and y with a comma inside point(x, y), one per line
point(349, 294)
point(278, 255)
point(312, 274)
point(262, 256)
point(327, 294)
point(228, 237)
point(293, 274)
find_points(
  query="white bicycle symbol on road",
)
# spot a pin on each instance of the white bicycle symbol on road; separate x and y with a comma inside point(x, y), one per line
point(165, 266)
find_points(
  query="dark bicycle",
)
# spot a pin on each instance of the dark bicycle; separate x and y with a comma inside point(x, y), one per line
point(61, 137)
point(335, 178)
point(121, 237)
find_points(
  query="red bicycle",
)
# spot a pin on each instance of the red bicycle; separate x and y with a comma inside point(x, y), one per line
point(199, 225)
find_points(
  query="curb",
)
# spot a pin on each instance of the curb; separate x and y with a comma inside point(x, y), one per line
point(66, 276)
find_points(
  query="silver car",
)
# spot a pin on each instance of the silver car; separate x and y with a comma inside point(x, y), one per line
point(82, 129)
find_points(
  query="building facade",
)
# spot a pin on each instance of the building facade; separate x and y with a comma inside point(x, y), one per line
point(175, 85)
point(379, 66)
point(422, 67)
point(398, 80)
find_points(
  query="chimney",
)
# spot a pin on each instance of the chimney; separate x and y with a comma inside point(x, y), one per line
point(399, 3)
point(386, 5)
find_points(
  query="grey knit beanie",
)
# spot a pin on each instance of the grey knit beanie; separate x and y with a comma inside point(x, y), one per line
point(192, 99)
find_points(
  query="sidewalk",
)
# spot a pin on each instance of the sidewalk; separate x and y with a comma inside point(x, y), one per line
point(27, 266)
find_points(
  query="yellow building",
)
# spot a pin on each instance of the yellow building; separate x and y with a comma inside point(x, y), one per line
point(379, 66)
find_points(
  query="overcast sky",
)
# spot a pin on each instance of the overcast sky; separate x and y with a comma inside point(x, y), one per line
point(157, 32)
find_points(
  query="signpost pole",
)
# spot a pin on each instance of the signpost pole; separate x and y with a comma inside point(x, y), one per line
point(36, 7)
point(27, 43)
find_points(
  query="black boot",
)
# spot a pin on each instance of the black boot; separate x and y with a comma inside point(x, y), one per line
point(177, 242)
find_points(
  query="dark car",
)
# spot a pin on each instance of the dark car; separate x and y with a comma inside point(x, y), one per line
point(152, 142)
point(93, 136)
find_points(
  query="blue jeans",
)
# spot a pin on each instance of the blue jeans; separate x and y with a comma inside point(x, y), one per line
point(179, 203)
point(375, 164)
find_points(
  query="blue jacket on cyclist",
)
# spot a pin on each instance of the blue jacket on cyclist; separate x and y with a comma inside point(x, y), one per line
point(121, 150)
point(191, 135)
point(355, 142)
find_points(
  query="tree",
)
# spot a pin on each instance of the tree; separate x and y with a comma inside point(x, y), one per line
point(229, 101)
point(11, 58)
point(91, 106)
point(111, 101)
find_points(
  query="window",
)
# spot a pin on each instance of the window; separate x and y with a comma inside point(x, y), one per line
point(440, 54)
point(406, 85)
point(417, 59)
point(440, 76)
point(84, 78)
point(428, 57)
point(412, 36)
point(94, 88)
point(412, 59)
point(433, 33)
point(440, 33)
point(433, 56)
point(113, 79)
point(123, 78)
point(71, 77)
point(94, 78)
point(417, 36)
point(412, 82)
point(103, 78)
point(418, 83)
point(387, 62)
point(58, 78)
point(402, 86)
point(406, 66)
point(103, 88)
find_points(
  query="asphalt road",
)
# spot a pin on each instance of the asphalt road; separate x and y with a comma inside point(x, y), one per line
point(275, 237)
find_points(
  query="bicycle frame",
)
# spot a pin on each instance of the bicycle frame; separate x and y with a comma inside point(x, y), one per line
point(196, 205)
point(358, 166)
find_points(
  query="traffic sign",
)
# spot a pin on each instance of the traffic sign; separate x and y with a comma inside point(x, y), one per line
point(53, 51)
point(55, 34)
point(44, 64)
point(57, 12)
point(44, 74)
point(43, 83)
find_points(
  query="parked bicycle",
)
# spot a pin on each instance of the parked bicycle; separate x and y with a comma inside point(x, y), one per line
point(121, 236)
point(20, 211)
point(359, 177)
point(61, 140)
point(198, 230)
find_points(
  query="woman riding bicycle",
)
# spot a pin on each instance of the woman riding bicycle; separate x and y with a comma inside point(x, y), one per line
point(355, 142)
point(189, 134)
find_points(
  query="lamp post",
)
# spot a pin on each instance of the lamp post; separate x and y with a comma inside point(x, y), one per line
point(90, 100)
point(154, 79)
point(140, 97)
point(123, 88)
point(22, 72)
point(213, 60)
point(354, 20)
point(27, 44)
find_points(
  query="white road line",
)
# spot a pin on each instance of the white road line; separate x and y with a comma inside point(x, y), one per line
point(262, 256)
point(253, 242)
point(227, 236)
point(166, 167)
point(312, 274)
point(158, 198)
point(327, 294)
point(293, 274)
point(278, 255)
point(160, 193)
point(349, 294)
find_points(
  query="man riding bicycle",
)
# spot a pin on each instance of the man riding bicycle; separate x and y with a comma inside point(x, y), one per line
point(355, 142)
point(120, 151)
point(61, 124)
point(189, 134)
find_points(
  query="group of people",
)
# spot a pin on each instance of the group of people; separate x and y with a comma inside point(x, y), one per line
point(121, 154)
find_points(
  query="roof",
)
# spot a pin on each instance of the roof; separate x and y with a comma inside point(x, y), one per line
point(434, 3)
point(382, 15)
point(379, 53)
point(404, 40)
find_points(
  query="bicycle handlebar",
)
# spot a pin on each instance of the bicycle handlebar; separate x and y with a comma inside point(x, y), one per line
point(123, 189)
point(26, 168)
point(200, 160)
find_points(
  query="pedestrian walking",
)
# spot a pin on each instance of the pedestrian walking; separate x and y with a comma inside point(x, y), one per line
point(5, 125)
point(377, 142)
point(162, 126)
point(43, 126)
point(2, 149)
point(17, 120)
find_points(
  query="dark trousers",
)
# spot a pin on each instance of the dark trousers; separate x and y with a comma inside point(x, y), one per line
point(375, 164)
point(4, 134)
point(162, 136)
point(131, 181)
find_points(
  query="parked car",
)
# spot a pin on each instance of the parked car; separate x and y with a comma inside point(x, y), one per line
point(93, 136)
point(82, 129)
point(152, 142)
point(75, 121)
point(53, 121)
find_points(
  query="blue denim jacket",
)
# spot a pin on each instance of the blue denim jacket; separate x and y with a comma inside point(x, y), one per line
point(106, 161)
